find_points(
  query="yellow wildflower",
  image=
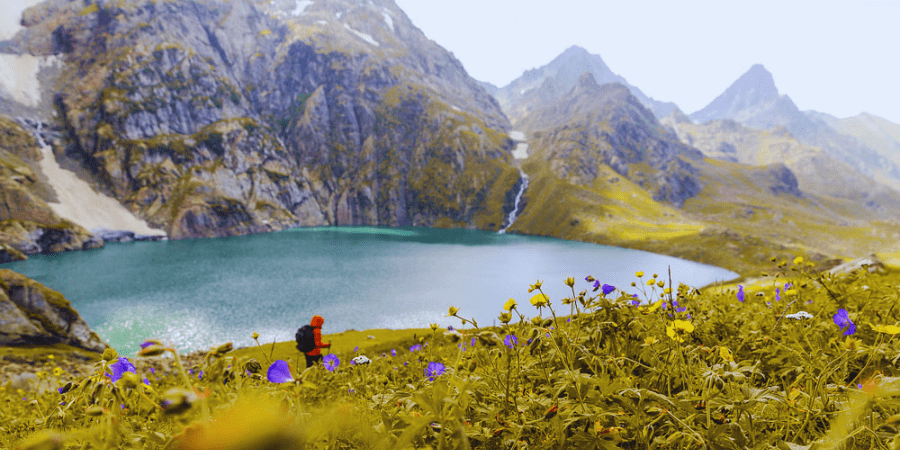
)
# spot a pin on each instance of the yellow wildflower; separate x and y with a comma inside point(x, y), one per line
point(676, 329)
point(726, 354)
point(57, 371)
point(667, 290)
point(505, 317)
point(887, 329)
point(540, 300)
point(639, 274)
point(434, 327)
point(650, 340)
point(255, 335)
point(452, 311)
point(798, 260)
point(651, 308)
point(651, 282)
point(661, 284)
point(509, 305)
point(50, 357)
point(570, 281)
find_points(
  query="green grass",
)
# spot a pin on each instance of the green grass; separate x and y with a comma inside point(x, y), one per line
point(593, 372)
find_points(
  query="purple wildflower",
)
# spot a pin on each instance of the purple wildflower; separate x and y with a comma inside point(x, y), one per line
point(433, 370)
point(473, 342)
point(393, 352)
point(608, 288)
point(777, 294)
point(740, 293)
point(415, 348)
point(120, 367)
point(331, 362)
point(279, 372)
point(842, 319)
point(511, 341)
point(597, 285)
point(635, 302)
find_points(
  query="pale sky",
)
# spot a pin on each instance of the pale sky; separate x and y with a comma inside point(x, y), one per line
point(837, 57)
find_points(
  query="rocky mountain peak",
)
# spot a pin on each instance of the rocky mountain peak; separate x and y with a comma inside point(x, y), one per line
point(526, 93)
point(754, 89)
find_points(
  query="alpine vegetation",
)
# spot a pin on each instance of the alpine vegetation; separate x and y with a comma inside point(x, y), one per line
point(776, 364)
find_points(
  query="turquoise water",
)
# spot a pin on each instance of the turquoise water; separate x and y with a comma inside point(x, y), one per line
point(203, 292)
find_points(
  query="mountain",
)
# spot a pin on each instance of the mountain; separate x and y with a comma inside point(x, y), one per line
point(877, 133)
point(553, 80)
point(212, 118)
point(753, 100)
point(817, 171)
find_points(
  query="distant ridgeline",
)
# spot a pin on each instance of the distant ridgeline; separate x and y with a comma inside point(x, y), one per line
point(213, 118)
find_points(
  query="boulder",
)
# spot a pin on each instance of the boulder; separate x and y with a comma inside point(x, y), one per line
point(33, 314)
point(870, 263)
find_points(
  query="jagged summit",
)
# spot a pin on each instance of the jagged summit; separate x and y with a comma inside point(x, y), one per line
point(546, 83)
point(753, 89)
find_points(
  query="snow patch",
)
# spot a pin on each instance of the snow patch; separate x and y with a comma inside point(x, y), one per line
point(339, 14)
point(363, 36)
point(455, 108)
point(322, 22)
point(19, 77)
point(84, 206)
point(388, 19)
point(301, 6)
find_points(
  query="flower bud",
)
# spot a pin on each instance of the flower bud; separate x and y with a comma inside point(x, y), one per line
point(152, 350)
point(223, 349)
point(255, 335)
point(177, 401)
point(505, 317)
point(110, 354)
point(661, 284)
point(570, 281)
point(129, 380)
point(434, 327)
point(94, 411)
point(536, 320)
point(253, 366)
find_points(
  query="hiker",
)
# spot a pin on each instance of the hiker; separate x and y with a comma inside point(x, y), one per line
point(309, 340)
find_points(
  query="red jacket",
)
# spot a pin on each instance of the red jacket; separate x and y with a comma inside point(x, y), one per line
point(316, 323)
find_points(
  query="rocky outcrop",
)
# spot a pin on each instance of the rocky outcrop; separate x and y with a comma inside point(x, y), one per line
point(31, 237)
point(212, 118)
point(33, 314)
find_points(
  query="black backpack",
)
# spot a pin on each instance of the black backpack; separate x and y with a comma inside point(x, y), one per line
point(306, 339)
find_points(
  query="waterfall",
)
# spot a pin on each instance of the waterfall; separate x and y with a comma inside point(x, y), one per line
point(515, 212)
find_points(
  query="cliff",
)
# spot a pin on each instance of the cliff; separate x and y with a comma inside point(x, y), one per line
point(213, 118)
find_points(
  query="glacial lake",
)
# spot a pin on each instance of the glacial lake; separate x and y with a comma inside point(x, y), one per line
point(198, 293)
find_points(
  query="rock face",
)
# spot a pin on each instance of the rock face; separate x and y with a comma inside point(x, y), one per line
point(210, 118)
point(33, 314)
point(604, 124)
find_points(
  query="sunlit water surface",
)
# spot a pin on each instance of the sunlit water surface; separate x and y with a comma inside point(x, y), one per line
point(203, 292)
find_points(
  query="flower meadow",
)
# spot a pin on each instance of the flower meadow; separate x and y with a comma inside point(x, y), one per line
point(805, 360)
